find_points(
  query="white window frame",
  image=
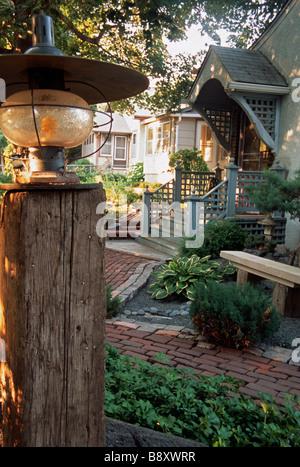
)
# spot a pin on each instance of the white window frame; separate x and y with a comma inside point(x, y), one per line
point(205, 144)
point(108, 143)
point(120, 147)
point(159, 142)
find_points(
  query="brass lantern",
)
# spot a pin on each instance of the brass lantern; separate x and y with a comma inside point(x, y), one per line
point(48, 98)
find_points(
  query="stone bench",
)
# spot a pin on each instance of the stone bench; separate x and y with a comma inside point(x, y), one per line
point(251, 268)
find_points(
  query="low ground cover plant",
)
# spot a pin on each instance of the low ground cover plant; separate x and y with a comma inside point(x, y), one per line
point(180, 276)
point(211, 410)
point(233, 315)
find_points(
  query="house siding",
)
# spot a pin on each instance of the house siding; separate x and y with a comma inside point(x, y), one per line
point(186, 134)
point(280, 44)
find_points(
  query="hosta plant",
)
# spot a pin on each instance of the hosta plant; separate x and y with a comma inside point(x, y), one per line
point(180, 276)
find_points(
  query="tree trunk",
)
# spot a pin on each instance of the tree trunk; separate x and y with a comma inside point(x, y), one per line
point(294, 254)
point(52, 318)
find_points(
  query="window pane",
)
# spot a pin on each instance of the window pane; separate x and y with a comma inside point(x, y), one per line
point(150, 135)
point(120, 147)
point(166, 137)
point(120, 153)
point(106, 149)
point(120, 141)
point(166, 130)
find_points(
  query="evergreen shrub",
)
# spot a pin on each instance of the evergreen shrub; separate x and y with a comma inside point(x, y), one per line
point(232, 315)
point(222, 235)
point(113, 304)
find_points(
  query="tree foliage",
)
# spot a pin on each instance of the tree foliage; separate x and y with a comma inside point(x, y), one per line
point(134, 33)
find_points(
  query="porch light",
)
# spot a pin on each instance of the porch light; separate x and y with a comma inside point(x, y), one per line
point(46, 117)
point(47, 109)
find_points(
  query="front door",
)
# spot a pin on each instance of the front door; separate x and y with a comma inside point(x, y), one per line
point(254, 154)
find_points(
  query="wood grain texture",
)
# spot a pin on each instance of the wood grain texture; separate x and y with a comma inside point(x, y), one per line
point(52, 318)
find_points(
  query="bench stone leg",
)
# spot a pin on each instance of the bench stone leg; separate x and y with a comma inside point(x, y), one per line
point(287, 300)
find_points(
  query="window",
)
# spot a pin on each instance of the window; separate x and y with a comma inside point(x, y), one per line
point(134, 143)
point(206, 143)
point(106, 140)
point(158, 138)
point(165, 137)
point(150, 138)
point(90, 140)
point(120, 147)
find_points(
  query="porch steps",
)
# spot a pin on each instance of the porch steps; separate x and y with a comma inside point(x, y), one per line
point(165, 245)
point(165, 238)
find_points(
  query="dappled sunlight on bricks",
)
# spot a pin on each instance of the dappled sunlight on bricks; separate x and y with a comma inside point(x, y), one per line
point(256, 372)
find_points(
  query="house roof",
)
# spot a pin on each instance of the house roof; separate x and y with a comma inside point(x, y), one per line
point(249, 66)
point(119, 123)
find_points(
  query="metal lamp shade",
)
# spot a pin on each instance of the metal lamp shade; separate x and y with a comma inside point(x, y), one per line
point(83, 77)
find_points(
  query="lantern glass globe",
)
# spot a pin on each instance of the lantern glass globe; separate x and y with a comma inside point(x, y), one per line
point(62, 119)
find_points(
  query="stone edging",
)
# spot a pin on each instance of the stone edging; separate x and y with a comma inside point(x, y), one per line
point(136, 281)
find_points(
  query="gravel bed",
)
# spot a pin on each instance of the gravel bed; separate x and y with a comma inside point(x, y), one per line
point(176, 312)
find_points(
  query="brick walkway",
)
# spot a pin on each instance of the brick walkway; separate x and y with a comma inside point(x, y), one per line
point(119, 267)
point(126, 273)
point(259, 373)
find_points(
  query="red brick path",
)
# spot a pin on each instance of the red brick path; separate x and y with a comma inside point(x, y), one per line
point(257, 372)
point(120, 266)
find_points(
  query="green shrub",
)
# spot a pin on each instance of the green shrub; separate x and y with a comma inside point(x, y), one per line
point(211, 410)
point(232, 315)
point(181, 274)
point(85, 171)
point(189, 159)
point(136, 174)
point(4, 178)
point(113, 304)
point(221, 235)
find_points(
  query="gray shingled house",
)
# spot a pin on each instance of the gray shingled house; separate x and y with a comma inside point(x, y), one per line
point(251, 101)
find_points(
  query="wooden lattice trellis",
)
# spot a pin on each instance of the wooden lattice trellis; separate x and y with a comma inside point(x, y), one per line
point(265, 110)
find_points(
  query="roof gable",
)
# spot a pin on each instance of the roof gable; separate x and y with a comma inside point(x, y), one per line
point(249, 66)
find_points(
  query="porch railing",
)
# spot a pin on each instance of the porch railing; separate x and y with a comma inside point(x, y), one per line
point(184, 183)
point(215, 203)
point(225, 200)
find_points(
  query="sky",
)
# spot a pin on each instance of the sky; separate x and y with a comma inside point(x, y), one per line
point(194, 42)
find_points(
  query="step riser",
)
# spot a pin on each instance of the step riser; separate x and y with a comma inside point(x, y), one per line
point(157, 245)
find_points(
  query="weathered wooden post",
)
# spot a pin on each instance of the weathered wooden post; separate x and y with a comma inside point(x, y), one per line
point(231, 175)
point(52, 317)
point(146, 213)
point(52, 290)
point(177, 183)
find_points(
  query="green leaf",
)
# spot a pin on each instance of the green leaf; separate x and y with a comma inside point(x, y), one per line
point(159, 294)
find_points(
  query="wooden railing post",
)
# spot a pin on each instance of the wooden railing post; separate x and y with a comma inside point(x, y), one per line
point(52, 318)
point(146, 213)
point(231, 175)
point(177, 182)
point(191, 214)
point(218, 171)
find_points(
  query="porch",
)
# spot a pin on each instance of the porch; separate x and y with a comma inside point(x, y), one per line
point(191, 200)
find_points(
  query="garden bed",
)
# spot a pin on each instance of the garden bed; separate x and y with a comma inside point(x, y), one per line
point(142, 307)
